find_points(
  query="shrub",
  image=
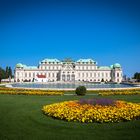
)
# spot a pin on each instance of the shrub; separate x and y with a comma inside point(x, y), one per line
point(81, 90)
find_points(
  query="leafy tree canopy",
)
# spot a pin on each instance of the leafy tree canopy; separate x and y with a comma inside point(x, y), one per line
point(137, 76)
point(4, 74)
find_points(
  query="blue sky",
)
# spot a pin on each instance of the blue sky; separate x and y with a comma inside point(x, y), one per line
point(106, 30)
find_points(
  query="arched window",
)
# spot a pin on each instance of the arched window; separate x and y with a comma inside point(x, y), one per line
point(29, 74)
point(25, 74)
point(68, 77)
point(63, 77)
point(73, 77)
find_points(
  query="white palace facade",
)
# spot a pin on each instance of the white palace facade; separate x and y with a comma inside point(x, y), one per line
point(52, 70)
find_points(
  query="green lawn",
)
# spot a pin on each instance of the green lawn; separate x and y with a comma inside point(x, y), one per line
point(21, 118)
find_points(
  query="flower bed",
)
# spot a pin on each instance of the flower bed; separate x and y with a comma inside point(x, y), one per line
point(120, 92)
point(105, 92)
point(81, 111)
point(29, 91)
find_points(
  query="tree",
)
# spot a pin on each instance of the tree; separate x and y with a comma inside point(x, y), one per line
point(81, 90)
point(7, 72)
point(2, 74)
point(137, 76)
point(10, 72)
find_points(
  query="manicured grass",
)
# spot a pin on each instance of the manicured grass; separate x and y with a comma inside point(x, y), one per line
point(21, 118)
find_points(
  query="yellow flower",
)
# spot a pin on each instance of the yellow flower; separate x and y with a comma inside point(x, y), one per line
point(73, 111)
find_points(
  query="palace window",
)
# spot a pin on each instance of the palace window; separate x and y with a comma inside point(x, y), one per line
point(25, 74)
point(52, 74)
point(90, 74)
point(73, 77)
point(63, 77)
point(102, 74)
point(117, 74)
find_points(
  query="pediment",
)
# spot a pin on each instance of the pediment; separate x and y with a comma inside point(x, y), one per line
point(67, 67)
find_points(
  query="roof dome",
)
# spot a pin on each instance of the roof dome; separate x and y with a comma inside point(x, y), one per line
point(19, 65)
point(50, 60)
point(111, 66)
point(104, 68)
point(117, 65)
point(86, 60)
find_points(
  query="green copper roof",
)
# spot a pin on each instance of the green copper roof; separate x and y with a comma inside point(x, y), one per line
point(19, 65)
point(50, 60)
point(117, 65)
point(68, 60)
point(30, 67)
point(111, 66)
point(86, 60)
point(104, 68)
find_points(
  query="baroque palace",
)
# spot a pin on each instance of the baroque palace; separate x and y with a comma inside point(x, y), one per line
point(51, 70)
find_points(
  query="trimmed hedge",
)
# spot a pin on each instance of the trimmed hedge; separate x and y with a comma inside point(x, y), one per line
point(81, 90)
